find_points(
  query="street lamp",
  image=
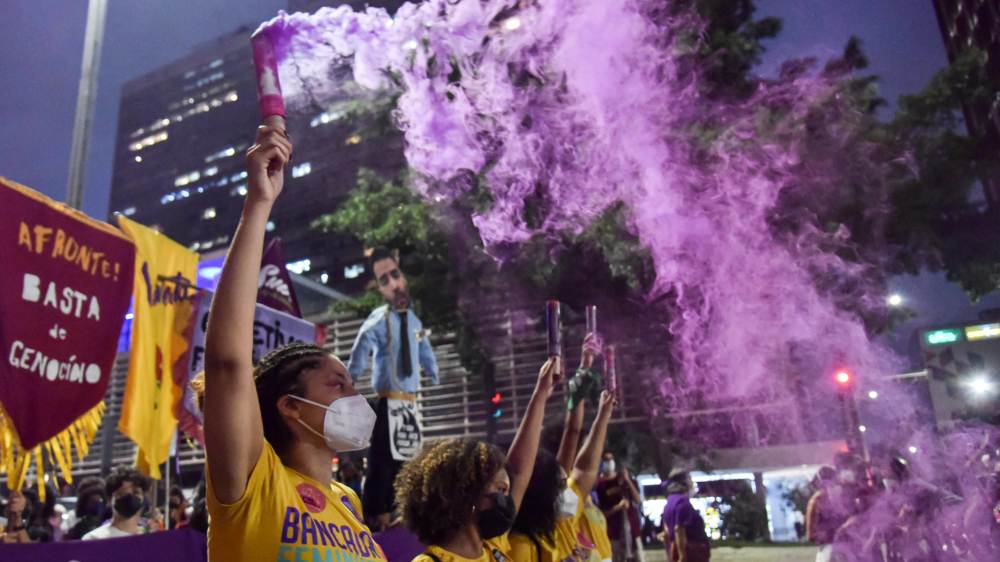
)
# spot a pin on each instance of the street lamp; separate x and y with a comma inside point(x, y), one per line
point(894, 300)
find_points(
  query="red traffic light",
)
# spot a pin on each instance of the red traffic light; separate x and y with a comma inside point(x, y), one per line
point(495, 399)
point(843, 377)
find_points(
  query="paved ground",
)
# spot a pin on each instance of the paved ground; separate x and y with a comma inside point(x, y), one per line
point(751, 554)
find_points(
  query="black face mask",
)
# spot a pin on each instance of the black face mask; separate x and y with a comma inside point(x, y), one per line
point(127, 505)
point(498, 519)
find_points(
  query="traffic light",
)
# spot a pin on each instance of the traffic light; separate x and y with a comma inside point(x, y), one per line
point(495, 400)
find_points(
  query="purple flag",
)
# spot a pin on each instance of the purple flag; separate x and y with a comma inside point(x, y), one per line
point(274, 285)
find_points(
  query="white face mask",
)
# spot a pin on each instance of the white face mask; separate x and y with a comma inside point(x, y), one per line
point(347, 425)
point(568, 503)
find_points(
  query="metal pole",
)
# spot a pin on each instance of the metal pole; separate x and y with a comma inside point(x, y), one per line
point(87, 95)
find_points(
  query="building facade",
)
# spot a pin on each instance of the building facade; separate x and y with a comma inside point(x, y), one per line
point(179, 166)
point(969, 24)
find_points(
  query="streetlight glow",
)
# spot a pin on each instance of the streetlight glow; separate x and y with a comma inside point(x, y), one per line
point(980, 385)
point(873, 394)
point(511, 23)
point(895, 299)
point(912, 450)
point(862, 428)
point(843, 377)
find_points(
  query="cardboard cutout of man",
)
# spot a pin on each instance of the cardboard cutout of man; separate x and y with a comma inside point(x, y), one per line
point(401, 348)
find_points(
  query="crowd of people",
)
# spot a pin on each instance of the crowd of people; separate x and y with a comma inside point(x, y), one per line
point(882, 512)
point(96, 508)
point(272, 428)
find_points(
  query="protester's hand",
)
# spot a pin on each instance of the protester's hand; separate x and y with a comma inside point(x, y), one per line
point(607, 404)
point(266, 161)
point(548, 375)
point(591, 349)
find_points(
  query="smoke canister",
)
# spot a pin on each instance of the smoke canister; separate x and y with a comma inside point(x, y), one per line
point(591, 312)
point(269, 98)
point(610, 374)
point(553, 325)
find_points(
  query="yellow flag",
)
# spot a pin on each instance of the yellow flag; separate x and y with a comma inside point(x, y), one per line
point(164, 286)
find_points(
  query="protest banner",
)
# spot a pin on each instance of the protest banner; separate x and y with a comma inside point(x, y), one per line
point(163, 292)
point(274, 285)
point(271, 329)
point(66, 284)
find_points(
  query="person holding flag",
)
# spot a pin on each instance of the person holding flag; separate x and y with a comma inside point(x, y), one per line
point(271, 431)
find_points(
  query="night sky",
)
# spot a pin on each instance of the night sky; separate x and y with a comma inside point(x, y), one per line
point(41, 46)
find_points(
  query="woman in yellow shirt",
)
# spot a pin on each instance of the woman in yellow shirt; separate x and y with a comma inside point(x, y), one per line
point(547, 528)
point(593, 530)
point(271, 432)
point(460, 496)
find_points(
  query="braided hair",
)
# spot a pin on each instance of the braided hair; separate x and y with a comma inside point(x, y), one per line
point(276, 375)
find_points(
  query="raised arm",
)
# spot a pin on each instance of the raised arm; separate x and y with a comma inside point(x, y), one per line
point(573, 425)
point(234, 433)
point(572, 428)
point(587, 462)
point(524, 448)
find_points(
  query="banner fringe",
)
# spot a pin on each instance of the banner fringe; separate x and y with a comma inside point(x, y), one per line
point(15, 461)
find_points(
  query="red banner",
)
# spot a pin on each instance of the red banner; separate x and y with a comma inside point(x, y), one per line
point(274, 285)
point(65, 288)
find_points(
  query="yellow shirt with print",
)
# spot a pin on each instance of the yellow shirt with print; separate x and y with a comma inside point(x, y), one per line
point(285, 516)
point(567, 545)
point(595, 526)
point(494, 550)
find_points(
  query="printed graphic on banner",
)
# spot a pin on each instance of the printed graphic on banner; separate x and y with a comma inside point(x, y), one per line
point(163, 304)
point(64, 289)
point(271, 329)
point(404, 429)
point(274, 284)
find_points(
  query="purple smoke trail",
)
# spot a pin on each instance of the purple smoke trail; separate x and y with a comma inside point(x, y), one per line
point(553, 95)
point(585, 104)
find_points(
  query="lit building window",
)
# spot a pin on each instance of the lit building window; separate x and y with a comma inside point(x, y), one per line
point(239, 190)
point(187, 178)
point(326, 117)
point(232, 96)
point(269, 227)
point(301, 170)
point(215, 64)
point(224, 153)
point(148, 141)
point(324, 277)
point(354, 271)
point(194, 247)
point(209, 213)
point(353, 139)
point(211, 171)
point(300, 266)
point(138, 158)
point(239, 176)
point(128, 212)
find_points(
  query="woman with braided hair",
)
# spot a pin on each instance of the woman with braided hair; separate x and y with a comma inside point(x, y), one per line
point(271, 431)
point(460, 496)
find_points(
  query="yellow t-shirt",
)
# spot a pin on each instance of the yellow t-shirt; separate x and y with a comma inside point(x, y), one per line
point(494, 550)
point(595, 527)
point(285, 516)
point(568, 543)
